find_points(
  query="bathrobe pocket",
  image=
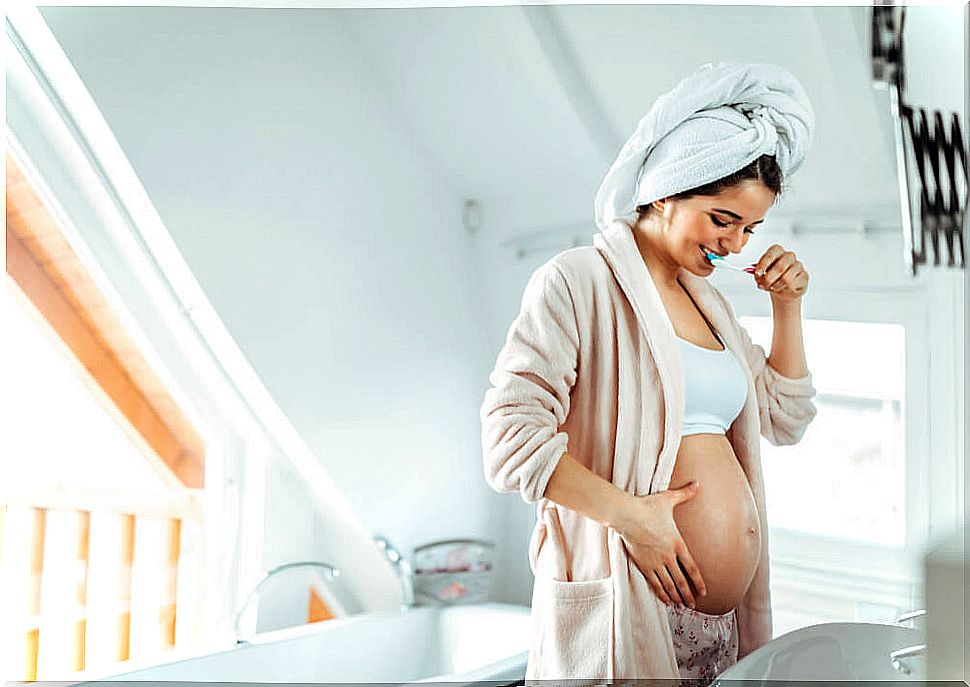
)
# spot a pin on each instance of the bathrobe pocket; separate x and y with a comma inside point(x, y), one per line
point(574, 622)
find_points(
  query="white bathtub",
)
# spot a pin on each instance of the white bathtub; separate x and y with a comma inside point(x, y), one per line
point(454, 644)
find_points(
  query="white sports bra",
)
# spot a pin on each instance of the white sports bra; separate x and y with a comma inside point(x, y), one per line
point(716, 386)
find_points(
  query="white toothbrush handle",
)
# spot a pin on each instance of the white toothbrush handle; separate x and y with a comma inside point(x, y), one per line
point(721, 263)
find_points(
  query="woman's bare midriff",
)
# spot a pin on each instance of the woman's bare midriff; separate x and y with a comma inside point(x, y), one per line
point(720, 524)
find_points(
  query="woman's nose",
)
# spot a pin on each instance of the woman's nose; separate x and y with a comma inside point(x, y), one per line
point(735, 242)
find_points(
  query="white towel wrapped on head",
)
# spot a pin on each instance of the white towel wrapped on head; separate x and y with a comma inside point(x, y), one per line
point(711, 124)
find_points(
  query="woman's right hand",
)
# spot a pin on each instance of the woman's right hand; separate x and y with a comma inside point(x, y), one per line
point(651, 537)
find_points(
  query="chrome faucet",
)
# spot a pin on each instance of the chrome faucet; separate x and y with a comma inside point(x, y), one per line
point(334, 572)
point(897, 658)
point(403, 568)
point(912, 615)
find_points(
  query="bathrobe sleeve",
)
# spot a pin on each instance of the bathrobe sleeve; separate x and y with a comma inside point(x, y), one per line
point(785, 404)
point(531, 383)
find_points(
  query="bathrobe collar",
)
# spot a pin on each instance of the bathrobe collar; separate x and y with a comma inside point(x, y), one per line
point(618, 247)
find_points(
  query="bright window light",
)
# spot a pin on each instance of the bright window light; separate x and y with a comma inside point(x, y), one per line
point(846, 478)
point(59, 430)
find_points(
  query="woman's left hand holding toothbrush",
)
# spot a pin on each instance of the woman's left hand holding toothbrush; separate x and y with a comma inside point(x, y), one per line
point(780, 273)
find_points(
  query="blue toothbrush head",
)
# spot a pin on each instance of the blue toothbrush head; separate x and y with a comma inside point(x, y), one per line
point(719, 261)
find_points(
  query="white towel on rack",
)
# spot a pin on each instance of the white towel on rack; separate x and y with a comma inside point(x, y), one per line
point(714, 122)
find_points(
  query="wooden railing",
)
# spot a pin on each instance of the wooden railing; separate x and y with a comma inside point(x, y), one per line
point(24, 534)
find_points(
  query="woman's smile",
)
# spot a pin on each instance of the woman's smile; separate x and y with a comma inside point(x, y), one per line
point(704, 252)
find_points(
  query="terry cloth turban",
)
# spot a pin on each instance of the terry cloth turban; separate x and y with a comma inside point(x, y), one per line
point(714, 122)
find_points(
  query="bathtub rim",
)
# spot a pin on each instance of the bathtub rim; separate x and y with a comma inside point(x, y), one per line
point(298, 631)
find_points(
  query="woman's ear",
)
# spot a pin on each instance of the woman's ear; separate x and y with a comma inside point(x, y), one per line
point(659, 205)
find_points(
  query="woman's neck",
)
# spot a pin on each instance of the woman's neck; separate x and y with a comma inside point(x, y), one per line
point(663, 269)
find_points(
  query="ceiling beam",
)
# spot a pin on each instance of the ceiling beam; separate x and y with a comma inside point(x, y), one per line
point(555, 46)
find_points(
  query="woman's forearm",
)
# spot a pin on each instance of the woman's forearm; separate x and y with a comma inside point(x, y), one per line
point(787, 344)
point(576, 487)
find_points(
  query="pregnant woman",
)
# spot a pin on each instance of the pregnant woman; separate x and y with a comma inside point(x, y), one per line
point(627, 401)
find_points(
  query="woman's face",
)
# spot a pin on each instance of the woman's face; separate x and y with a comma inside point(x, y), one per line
point(721, 223)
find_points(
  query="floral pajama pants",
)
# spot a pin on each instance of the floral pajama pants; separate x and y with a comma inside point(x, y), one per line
point(705, 645)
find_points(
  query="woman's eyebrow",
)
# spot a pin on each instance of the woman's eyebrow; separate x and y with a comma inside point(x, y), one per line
point(734, 214)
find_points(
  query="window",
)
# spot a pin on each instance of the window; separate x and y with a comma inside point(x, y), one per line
point(88, 443)
point(851, 458)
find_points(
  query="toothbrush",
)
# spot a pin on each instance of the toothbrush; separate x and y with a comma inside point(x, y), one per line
point(719, 261)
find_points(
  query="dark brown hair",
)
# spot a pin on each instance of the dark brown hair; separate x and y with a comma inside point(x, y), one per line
point(765, 169)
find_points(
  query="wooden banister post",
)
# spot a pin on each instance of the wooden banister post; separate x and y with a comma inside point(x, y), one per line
point(83, 555)
point(33, 592)
point(170, 600)
point(124, 589)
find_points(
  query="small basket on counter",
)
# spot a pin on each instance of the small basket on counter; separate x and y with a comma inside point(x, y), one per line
point(452, 571)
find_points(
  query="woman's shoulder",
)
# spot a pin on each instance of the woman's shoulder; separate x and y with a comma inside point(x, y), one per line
point(578, 266)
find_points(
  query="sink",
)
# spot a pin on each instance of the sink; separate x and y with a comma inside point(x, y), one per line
point(832, 651)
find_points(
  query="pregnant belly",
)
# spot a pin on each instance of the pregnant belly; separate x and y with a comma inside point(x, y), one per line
point(720, 524)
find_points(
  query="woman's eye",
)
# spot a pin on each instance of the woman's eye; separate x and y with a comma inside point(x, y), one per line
point(748, 231)
point(719, 222)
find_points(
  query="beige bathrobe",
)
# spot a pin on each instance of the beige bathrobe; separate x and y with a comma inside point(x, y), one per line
point(591, 365)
